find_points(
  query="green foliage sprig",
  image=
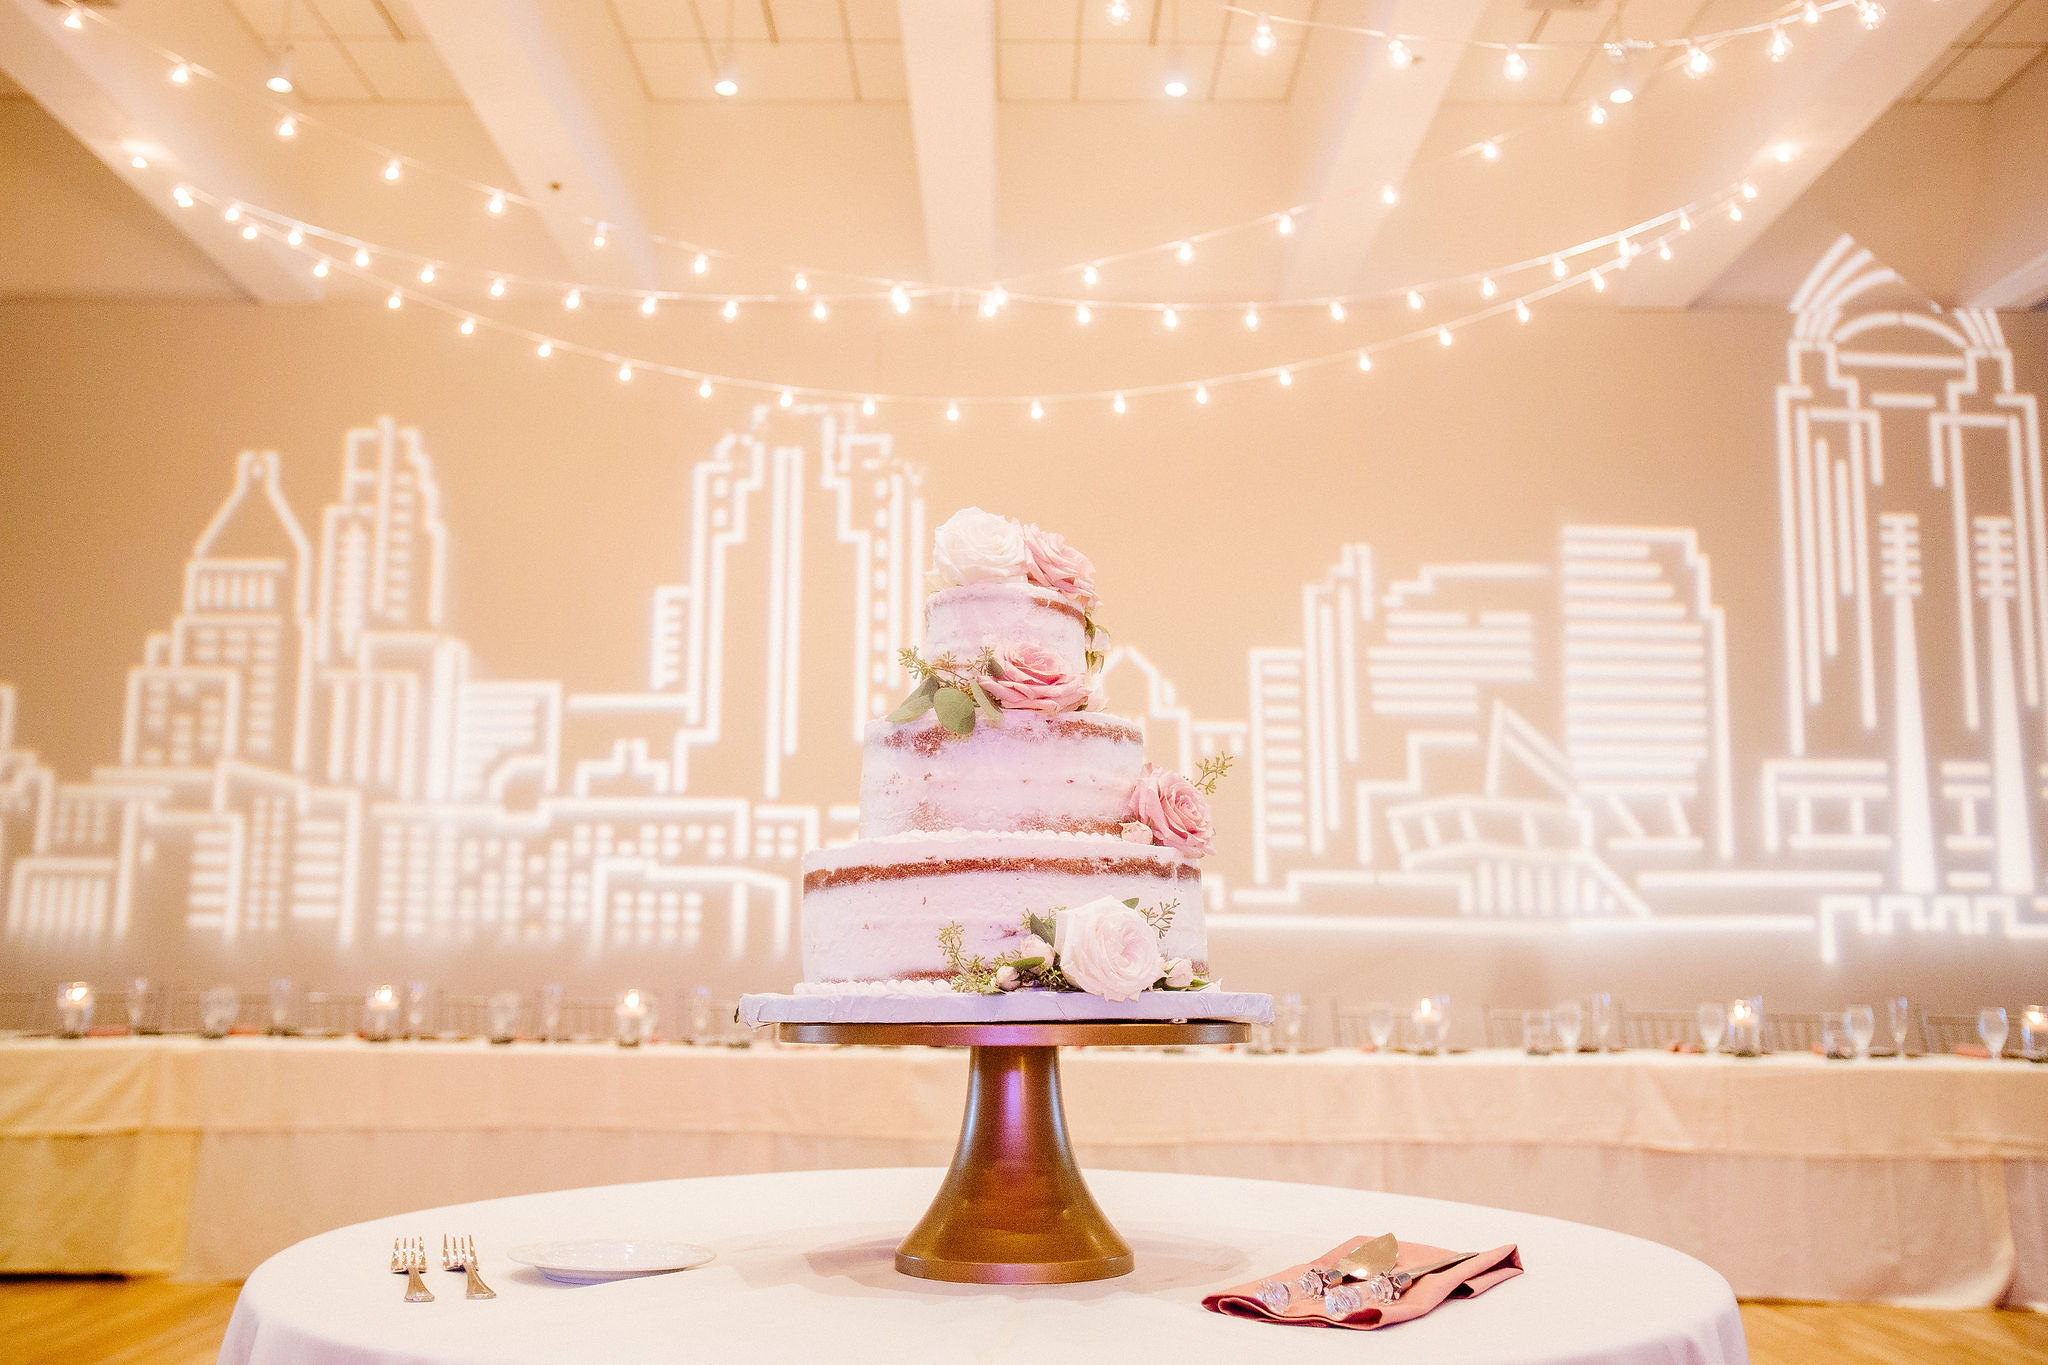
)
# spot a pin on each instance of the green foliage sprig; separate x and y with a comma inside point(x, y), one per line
point(951, 688)
point(1209, 772)
point(972, 974)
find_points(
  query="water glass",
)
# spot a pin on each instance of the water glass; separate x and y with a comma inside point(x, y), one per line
point(1260, 1040)
point(218, 1006)
point(380, 1013)
point(502, 1017)
point(1537, 1038)
point(1898, 1016)
point(1862, 1022)
point(145, 1006)
point(704, 1030)
point(2034, 1033)
point(1569, 1020)
point(1991, 1027)
point(284, 1007)
point(419, 1009)
point(1379, 1024)
point(1712, 1018)
point(1834, 1036)
point(551, 1013)
point(1601, 1020)
point(633, 1018)
point(1289, 1023)
point(74, 1009)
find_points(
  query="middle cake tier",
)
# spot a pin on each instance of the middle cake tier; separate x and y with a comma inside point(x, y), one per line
point(1072, 772)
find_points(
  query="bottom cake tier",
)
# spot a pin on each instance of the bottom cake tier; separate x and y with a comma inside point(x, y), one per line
point(873, 909)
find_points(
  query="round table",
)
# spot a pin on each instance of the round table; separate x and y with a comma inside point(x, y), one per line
point(805, 1269)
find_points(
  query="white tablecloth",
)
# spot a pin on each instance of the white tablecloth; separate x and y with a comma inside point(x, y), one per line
point(804, 1272)
point(1917, 1182)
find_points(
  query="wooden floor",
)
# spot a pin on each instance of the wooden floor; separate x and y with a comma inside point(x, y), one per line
point(148, 1322)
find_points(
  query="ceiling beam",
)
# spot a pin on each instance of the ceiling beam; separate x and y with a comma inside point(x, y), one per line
point(1691, 138)
point(1377, 116)
point(557, 93)
point(117, 100)
point(2009, 267)
point(949, 65)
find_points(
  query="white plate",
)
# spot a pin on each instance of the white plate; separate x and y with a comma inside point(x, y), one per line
point(596, 1262)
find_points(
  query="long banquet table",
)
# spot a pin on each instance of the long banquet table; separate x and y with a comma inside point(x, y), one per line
point(1923, 1181)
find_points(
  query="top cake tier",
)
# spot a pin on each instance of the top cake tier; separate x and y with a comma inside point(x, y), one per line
point(966, 620)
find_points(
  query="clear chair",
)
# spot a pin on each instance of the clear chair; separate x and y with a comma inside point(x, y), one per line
point(1504, 1026)
point(1791, 1032)
point(329, 1014)
point(1657, 1030)
point(1944, 1033)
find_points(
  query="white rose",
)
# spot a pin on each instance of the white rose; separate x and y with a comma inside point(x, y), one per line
point(977, 547)
point(1108, 948)
point(1007, 978)
point(1034, 946)
point(1179, 973)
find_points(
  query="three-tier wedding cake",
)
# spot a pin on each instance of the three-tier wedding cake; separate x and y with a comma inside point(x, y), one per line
point(1011, 833)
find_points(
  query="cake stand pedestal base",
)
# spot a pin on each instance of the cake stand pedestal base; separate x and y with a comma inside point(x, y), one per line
point(1014, 1208)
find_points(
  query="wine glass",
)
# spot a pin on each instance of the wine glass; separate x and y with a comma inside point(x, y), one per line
point(1862, 1022)
point(1712, 1018)
point(1898, 1017)
point(1379, 1024)
point(1570, 1021)
point(1991, 1027)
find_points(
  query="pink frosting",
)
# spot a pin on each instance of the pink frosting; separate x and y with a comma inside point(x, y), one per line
point(1052, 563)
point(1174, 810)
point(1030, 677)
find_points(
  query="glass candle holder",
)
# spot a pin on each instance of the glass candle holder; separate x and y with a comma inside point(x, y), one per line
point(74, 1009)
point(419, 1009)
point(145, 1006)
point(1379, 1024)
point(1428, 1024)
point(1834, 1036)
point(1538, 1039)
point(633, 1019)
point(1568, 1020)
point(284, 1008)
point(218, 1008)
point(551, 1013)
point(380, 1013)
point(503, 1017)
point(1746, 1026)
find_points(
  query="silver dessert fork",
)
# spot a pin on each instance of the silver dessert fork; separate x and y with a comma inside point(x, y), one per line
point(459, 1253)
point(409, 1258)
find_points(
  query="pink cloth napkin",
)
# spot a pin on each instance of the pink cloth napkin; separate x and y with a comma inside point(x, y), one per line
point(1474, 1275)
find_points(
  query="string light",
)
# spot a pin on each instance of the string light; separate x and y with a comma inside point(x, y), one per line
point(362, 258)
point(233, 213)
point(1365, 362)
point(1389, 195)
point(320, 269)
point(1184, 253)
point(279, 81)
point(1684, 221)
point(727, 85)
point(427, 273)
point(139, 162)
point(1414, 299)
point(181, 74)
point(1251, 319)
point(1443, 336)
point(1399, 54)
point(1171, 317)
point(573, 300)
point(1083, 314)
point(1037, 410)
point(867, 406)
point(802, 282)
point(468, 327)
point(1285, 225)
point(1869, 13)
point(625, 372)
point(544, 350)
point(1599, 283)
point(1487, 288)
point(1735, 213)
point(820, 311)
point(1780, 46)
point(999, 298)
point(182, 197)
point(786, 399)
point(647, 306)
point(1558, 268)
point(1490, 149)
point(392, 170)
point(497, 290)
point(704, 391)
point(1118, 12)
point(394, 300)
point(699, 263)
point(1090, 276)
point(496, 206)
point(288, 127)
point(1264, 43)
point(731, 309)
point(1286, 377)
point(1118, 404)
point(1521, 311)
point(1663, 251)
point(1202, 394)
point(898, 299)
point(1597, 113)
point(1176, 86)
point(71, 19)
point(1620, 94)
point(1514, 66)
point(952, 411)
point(1749, 191)
point(1785, 153)
point(1811, 13)
point(597, 238)
point(1698, 62)
point(1336, 310)
point(249, 232)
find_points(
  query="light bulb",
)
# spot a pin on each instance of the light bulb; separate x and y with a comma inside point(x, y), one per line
point(468, 327)
point(1118, 404)
point(704, 390)
point(1514, 66)
point(496, 204)
point(280, 79)
point(1176, 86)
point(1285, 225)
point(1735, 213)
point(1443, 336)
point(181, 196)
point(1263, 41)
point(1599, 283)
point(249, 232)
point(1698, 61)
point(802, 282)
point(1597, 114)
point(1336, 310)
point(320, 269)
point(1620, 94)
point(1870, 13)
point(1811, 12)
point(1251, 319)
point(647, 306)
point(288, 127)
point(1414, 299)
point(1487, 287)
point(1286, 377)
point(181, 74)
point(1780, 46)
point(1663, 251)
point(785, 399)
point(625, 372)
point(952, 411)
point(1083, 314)
point(898, 299)
point(233, 213)
point(1365, 362)
point(597, 238)
point(699, 263)
point(72, 19)
point(1118, 12)
point(1624, 253)
point(1090, 276)
point(545, 349)
point(1400, 54)
point(867, 407)
point(497, 290)
point(731, 309)
point(1171, 318)
point(1748, 190)
point(362, 258)
point(1389, 195)
point(999, 297)
point(820, 311)
point(573, 299)
point(1037, 410)
point(1558, 269)
point(1684, 221)
point(1521, 311)
point(1785, 153)
point(1201, 393)
point(1490, 149)
point(394, 300)
point(427, 273)
point(392, 170)
point(1184, 253)
point(726, 86)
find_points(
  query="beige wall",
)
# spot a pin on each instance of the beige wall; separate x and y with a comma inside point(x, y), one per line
point(566, 497)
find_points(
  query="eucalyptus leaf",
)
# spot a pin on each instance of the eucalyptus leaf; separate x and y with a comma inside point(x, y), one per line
point(990, 712)
point(956, 710)
point(917, 703)
point(1045, 926)
point(1132, 902)
point(1023, 964)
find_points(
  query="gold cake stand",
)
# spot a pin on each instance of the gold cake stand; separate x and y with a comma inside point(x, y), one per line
point(1014, 1208)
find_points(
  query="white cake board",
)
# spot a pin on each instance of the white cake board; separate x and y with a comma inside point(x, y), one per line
point(1015, 1007)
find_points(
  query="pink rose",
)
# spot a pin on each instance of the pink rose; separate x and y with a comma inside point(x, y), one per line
point(1171, 807)
point(1052, 563)
point(1107, 948)
point(1030, 677)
